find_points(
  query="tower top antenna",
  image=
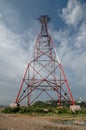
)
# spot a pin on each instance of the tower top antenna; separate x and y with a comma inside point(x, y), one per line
point(43, 18)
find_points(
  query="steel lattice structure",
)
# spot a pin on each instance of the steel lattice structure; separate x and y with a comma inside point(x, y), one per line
point(44, 73)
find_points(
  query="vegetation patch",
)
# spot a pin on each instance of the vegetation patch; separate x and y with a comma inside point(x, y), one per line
point(42, 108)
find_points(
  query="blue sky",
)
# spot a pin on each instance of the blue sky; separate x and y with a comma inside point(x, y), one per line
point(18, 31)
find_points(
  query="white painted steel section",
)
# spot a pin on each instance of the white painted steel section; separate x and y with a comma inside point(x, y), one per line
point(57, 55)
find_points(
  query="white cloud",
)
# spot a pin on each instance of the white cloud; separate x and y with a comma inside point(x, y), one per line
point(15, 53)
point(10, 15)
point(74, 12)
point(72, 47)
point(11, 54)
point(80, 40)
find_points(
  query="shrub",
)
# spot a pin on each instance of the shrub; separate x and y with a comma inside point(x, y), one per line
point(11, 110)
point(63, 110)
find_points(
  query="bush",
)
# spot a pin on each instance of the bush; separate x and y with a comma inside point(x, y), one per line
point(40, 104)
point(42, 108)
point(11, 110)
point(63, 110)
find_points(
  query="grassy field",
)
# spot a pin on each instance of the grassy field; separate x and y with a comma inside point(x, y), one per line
point(44, 110)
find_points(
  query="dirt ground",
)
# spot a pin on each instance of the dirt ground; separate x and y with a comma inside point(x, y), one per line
point(26, 122)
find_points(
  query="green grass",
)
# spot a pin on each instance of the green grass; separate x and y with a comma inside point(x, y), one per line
point(31, 110)
point(42, 108)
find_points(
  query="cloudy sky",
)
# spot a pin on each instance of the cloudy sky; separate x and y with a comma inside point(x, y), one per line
point(18, 31)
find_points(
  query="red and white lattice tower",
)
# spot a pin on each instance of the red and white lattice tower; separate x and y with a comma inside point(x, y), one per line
point(44, 73)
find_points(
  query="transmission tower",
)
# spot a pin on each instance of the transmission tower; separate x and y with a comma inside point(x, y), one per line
point(44, 73)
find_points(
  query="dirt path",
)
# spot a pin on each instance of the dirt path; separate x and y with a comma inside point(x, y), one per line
point(25, 122)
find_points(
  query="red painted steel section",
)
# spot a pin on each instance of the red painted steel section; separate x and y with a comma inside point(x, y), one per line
point(22, 84)
point(44, 73)
point(67, 85)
